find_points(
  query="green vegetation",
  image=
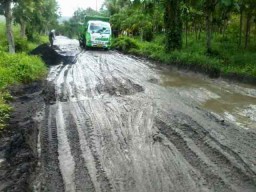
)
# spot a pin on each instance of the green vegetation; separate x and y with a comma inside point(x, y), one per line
point(5, 109)
point(15, 69)
point(225, 58)
point(35, 17)
point(71, 28)
point(213, 36)
point(21, 44)
point(27, 25)
point(20, 68)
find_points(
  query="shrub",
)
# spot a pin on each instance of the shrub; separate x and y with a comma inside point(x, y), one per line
point(21, 45)
point(20, 68)
point(148, 34)
point(4, 109)
point(125, 44)
point(14, 69)
point(224, 59)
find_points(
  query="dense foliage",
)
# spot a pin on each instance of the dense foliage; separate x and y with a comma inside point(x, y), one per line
point(233, 19)
point(227, 61)
point(35, 17)
point(213, 36)
point(19, 68)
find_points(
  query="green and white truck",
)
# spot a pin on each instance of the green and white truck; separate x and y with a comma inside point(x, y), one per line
point(95, 32)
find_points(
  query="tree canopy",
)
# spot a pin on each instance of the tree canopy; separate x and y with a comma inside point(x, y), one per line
point(147, 18)
point(33, 16)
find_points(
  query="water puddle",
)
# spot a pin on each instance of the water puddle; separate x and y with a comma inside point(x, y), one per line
point(233, 102)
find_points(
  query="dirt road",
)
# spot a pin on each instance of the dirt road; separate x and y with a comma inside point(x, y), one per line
point(111, 125)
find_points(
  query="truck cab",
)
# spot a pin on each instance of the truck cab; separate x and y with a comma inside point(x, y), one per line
point(96, 32)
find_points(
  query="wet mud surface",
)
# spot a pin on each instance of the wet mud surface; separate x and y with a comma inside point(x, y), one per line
point(230, 101)
point(56, 55)
point(116, 123)
point(18, 150)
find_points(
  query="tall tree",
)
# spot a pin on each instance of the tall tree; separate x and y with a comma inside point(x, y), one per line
point(173, 24)
point(241, 11)
point(37, 15)
point(209, 8)
point(23, 13)
point(250, 11)
point(114, 6)
point(43, 17)
point(6, 5)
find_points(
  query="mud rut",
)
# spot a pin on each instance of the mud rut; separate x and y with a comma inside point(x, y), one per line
point(109, 127)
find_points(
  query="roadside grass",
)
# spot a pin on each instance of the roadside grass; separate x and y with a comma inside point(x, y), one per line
point(16, 69)
point(21, 44)
point(225, 59)
point(5, 109)
point(19, 68)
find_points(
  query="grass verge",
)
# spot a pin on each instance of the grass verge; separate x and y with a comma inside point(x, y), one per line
point(225, 60)
point(16, 69)
point(21, 44)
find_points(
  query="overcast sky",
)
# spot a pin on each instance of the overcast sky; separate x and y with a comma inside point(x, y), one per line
point(67, 7)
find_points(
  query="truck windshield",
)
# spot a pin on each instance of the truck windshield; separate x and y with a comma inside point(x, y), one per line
point(97, 28)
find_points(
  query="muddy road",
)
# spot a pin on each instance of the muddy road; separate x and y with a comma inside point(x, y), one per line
point(117, 123)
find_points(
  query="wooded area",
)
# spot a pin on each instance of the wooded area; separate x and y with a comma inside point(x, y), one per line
point(220, 34)
point(35, 17)
point(233, 19)
point(217, 37)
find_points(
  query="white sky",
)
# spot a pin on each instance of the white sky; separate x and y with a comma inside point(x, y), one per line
point(67, 7)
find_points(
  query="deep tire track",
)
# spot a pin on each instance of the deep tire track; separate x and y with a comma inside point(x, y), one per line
point(229, 172)
point(50, 163)
point(101, 175)
point(82, 178)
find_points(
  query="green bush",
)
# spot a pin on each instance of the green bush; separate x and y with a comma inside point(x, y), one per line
point(5, 110)
point(20, 68)
point(39, 39)
point(225, 58)
point(14, 69)
point(124, 44)
point(148, 34)
point(21, 45)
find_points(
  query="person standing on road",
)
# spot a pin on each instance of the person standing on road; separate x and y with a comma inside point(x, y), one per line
point(51, 37)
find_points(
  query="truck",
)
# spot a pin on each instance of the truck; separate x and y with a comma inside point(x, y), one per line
point(95, 32)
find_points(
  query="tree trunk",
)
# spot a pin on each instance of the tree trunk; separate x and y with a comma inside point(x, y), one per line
point(9, 33)
point(141, 34)
point(247, 32)
point(196, 32)
point(23, 28)
point(173, 25)
point(241, 29)
point(199, 33)
point(209, 31)
point(224, 28)
point(186, 33)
